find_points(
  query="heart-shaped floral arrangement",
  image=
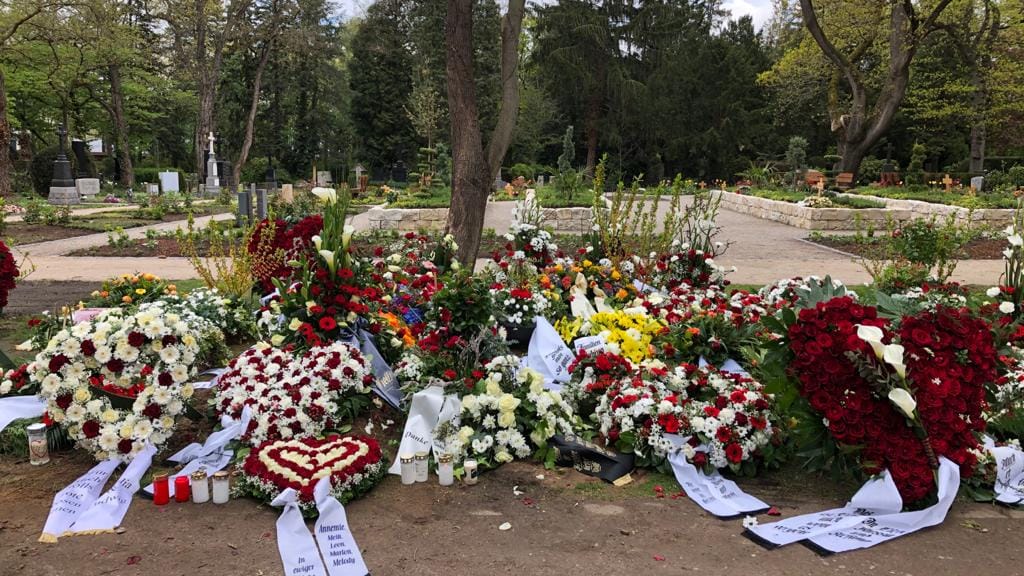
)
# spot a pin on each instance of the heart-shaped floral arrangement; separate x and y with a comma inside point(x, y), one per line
point(354, 464)
point(949, 356)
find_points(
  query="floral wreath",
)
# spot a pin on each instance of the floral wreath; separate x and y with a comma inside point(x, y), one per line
point(354, 464)
point(118, 381)
point(292, 395)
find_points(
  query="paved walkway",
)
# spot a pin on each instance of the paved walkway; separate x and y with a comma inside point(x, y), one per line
point(761, 250)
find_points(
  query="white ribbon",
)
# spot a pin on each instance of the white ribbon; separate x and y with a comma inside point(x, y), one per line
point(1009, 486)
point(712, 492)
point(729, 365)
point(548, 354)
point(108, 511)
point(338, 545)
point(215, 372)
point(18, 407)
point(294, 542)
point(69, 504)
point(873, 516)
point(590, 344)
point(211, 456)
point(429, 408)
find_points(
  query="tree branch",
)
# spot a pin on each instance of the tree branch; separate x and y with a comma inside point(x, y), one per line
point(511, 30)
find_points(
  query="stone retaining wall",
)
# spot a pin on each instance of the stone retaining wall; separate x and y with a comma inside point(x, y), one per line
point(559, 220)
point(840, 218)
point(996, 217)
point(809, 218)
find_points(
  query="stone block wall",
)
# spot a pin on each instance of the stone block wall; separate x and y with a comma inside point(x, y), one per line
point(809, 218)
point(995, 217)
point(558, 220)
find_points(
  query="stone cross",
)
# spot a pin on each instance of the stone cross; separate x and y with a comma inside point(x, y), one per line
point(703, 185)
point(211, 140)
point(948, 182)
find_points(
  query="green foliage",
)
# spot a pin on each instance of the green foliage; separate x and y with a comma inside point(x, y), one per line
point(569, 180)
point(42, 169)
point(464, 305)
point(255, 170)
point(915, 169)
point(796, 156)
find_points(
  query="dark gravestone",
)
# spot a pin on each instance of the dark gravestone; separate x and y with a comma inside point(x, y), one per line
point(399, 173)
point(379, 174)
point(224, 172)
point(81, 153)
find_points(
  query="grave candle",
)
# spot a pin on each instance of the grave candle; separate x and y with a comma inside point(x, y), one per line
point(221, 488)
point(408, 466)
point(471, 469)
point(182, 489)
point(161, 490)
point(200, 487)
point(38, 449)
point(422, 468)
point(445, 470)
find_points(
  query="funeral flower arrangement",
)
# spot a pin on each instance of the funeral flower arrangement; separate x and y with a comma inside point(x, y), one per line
point(8, 273)
point(725, 417)
point(129, 290)
point(354, 464)
point(294, 395)
point(902, 392)
point(118, 381)
point(509, 415)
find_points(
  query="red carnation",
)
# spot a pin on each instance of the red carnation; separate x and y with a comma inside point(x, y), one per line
point(327, 324)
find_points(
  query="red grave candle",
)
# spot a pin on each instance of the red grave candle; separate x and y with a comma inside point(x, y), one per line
point(161, 490)
point(182, 489)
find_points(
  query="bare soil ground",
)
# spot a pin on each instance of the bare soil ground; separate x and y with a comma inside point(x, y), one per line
point(562, 524)
point(981, 249)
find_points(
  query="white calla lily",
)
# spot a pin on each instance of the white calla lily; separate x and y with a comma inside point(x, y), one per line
point(872, 335)
point(893, 355)
point(904, 401)
point(328, 257)
point(326, 195)
point(318, 242)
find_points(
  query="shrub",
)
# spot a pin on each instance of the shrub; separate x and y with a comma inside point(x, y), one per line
point(152, 175)
point(255, 170)
point(1015, 176)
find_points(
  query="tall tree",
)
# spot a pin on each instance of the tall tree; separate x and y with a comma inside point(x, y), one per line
point(475, 166)
point(862, 125)
point(381, 81)
point(12, 18)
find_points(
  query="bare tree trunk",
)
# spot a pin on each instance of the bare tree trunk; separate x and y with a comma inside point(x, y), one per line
point(593, 120)
point(5, 137)
point(250, 120)
point(474, 169)
point(120, 125)
point(979, 101)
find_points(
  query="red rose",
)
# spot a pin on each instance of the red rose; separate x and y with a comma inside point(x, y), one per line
point(91, 429)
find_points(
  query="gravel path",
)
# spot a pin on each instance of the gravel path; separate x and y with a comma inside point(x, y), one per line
point(762, 251)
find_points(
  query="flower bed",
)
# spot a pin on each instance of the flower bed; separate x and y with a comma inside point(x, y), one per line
point(574, 220)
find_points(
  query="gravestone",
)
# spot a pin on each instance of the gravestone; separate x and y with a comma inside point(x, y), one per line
point(499, 184)
point(169, 182)
point(62, 187)
point(287, 193)
point(978, 183)
point(88, 186)
point(152, 189)
point(948, 183)
point(225, 170)
point(244, 216)
point(212, 176)
point(261, 204)
point(323, 178)
point(399, 173)
point(81, 152)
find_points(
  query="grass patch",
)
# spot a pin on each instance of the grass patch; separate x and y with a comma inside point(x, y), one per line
point(794, 196)
point(936, 196)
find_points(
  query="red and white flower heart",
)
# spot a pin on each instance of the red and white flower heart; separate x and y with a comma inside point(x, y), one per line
point(301, 463)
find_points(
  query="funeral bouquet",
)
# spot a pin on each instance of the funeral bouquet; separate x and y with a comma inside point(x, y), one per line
point(293, 395)
point(897, 394)
point(353, 463)
point(129, 290)
point(508, 415)
point(631, 333)
point(8, 273)
point(330, 298)
point(118, 381)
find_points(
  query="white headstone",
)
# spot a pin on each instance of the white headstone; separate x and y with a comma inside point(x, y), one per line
point(169, 182)
point(152, 189)
point(88, 186)
point(323, 177)
point(977, 183)
point(287, 194)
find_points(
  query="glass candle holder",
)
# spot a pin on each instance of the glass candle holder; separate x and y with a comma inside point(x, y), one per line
point(38, 448)
point(161, 490)
point(422, 467)
point(182, 489)
point(472, 470)
point(408, 468)
point(445, 470)
point(221, 488)
point(200, 487)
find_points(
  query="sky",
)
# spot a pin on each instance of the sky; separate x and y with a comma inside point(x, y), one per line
point(760, 10)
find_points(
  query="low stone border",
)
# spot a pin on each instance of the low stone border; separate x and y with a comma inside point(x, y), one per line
point(576, 220)
point(810, 218)
point(840, 218)
point(996, 217)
